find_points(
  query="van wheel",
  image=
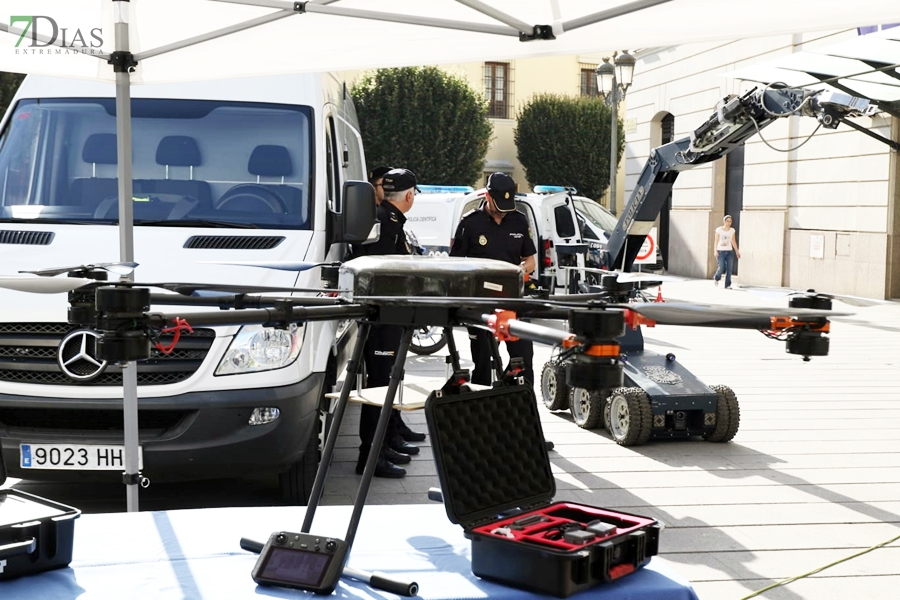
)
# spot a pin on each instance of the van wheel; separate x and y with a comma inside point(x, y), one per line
point(553, 386)
point(588, 408)
point(297, 482)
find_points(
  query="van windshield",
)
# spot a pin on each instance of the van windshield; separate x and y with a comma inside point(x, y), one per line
point(596, 214)
point(195, 163)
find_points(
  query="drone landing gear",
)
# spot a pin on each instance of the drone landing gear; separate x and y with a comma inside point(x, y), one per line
point(326, 582)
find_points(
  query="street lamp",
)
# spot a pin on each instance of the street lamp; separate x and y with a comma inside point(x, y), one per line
point(612, 83)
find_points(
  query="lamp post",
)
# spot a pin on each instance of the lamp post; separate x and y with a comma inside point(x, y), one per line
point(612, 83)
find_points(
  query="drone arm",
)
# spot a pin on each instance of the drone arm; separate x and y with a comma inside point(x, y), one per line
point(276, 316)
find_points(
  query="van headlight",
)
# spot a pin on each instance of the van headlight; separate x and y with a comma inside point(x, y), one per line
point(257, 348)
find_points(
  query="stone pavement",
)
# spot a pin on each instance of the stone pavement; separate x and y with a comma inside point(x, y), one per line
point(812, 477)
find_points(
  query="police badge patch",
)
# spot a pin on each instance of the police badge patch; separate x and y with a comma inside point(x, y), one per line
point(482, 240)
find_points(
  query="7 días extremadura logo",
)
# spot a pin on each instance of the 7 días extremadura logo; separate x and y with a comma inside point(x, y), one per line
point(39, 34)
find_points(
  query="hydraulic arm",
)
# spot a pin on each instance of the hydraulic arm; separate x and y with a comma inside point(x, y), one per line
point(735, 119)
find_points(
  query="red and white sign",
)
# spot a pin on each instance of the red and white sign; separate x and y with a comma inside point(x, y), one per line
point(647, 254)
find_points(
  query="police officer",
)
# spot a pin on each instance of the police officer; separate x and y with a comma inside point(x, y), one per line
point(400, 189)
point(375, 176)
point(497, 231)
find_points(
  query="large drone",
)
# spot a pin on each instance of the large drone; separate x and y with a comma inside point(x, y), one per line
point(410, 292)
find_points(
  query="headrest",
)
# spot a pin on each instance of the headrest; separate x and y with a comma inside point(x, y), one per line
point(100, 148)
point(270, 161)
point(178, 151)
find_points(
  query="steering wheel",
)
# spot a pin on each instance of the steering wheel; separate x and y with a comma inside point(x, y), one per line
point(251, 197)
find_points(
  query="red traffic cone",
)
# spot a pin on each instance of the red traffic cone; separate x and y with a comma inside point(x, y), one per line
point(659, 297)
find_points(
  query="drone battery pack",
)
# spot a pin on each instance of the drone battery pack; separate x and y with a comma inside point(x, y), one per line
point(36, 534)
point(440, 276)
point(496, 482)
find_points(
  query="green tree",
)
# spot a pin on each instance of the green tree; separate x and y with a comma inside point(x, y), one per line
point(564, 140)
point(426, 120)
point(9, 83)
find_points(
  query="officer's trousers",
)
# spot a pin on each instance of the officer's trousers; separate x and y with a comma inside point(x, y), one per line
point(379, 353)
point(481, 342)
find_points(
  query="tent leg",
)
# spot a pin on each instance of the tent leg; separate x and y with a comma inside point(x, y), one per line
point(132, 475)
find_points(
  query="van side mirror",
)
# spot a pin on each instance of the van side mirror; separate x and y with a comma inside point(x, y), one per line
point(356, 223)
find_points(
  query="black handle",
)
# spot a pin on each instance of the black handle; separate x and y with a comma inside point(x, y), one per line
point(383, 582)
point(435, 494)
point(17, 548)
point(251, 545)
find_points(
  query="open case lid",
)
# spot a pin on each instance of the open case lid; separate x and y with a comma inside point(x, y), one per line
point(490, 453)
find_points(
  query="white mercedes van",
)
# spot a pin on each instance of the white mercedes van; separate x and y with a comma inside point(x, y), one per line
point(241, 170)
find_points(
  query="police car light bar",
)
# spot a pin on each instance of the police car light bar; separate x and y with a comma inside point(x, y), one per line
point(553, 189)
point(446, 189)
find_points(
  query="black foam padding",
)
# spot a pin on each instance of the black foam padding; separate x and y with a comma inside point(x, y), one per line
point(490, 452)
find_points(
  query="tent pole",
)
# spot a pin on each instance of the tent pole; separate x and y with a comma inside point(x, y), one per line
point(374, 15)
point(123, 64)
point(214, 34)
point(612, 13)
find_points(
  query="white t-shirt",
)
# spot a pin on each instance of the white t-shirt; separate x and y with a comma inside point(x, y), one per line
point(725, 237)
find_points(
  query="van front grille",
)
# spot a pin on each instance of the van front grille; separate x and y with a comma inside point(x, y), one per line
point(29, 351)
point(31, 238)
point(233, 242)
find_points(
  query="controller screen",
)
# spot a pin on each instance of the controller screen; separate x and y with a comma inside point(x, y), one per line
point(296, 566)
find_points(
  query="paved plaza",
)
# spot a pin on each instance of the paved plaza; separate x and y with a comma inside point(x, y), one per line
point(812, 477)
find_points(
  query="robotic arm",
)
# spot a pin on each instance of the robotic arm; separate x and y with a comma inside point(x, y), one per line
point(735, 119)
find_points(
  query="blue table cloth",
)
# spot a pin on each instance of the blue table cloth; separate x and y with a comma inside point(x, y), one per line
point(195, 555)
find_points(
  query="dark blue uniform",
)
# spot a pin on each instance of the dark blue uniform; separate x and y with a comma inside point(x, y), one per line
point(480, 236)
point(383, 341)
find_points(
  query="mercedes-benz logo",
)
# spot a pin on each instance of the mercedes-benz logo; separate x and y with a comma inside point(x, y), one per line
point(77, 356)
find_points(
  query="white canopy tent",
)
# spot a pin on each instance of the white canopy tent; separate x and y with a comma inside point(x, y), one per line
point(189, 40)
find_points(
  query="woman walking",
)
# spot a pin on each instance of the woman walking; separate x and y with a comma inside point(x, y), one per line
point(726, 250)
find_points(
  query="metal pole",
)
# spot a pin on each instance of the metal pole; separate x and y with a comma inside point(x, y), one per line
point(614, 142)
point(126, 251)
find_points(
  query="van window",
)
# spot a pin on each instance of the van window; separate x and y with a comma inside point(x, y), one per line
point(227, 164)
point(565, 225)
point(597, 215)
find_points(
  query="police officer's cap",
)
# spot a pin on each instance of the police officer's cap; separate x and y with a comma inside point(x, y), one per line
point(398, 180)
point(502, 189)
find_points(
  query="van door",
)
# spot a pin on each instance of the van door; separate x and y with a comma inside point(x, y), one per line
point(567, 248)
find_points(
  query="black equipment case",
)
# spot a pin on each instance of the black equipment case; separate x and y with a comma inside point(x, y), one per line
point(496, 482)
point(36, 534)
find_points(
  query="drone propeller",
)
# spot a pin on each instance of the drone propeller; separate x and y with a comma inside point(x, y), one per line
point(119, 268)
point(766, 292)
point(280, 265)
point(710, 314)
point(623, 277)
point(216, 289)
point(44, 285)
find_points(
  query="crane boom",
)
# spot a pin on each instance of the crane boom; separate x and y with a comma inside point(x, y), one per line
point(735, 119)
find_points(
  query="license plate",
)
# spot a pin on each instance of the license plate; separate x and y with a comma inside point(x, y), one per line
point(75, 457)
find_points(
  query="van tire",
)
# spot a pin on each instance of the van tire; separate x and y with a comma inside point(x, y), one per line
point(297, 482)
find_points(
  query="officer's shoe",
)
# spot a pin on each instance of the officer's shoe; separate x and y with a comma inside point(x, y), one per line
point(402, 446)
point(395, 457)
point(409, 435)
point(383, 468)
